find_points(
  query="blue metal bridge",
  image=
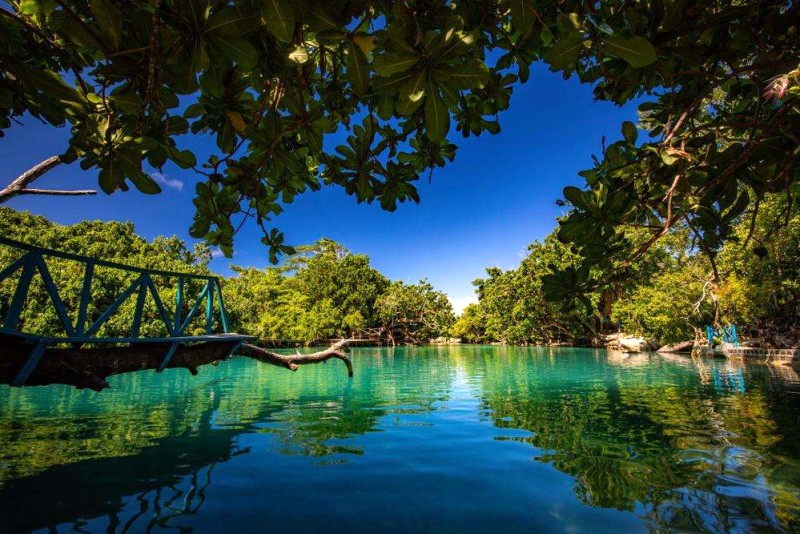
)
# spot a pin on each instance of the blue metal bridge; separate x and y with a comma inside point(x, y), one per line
point(180, 320)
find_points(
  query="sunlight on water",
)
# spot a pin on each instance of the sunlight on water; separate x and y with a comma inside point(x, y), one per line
point(433, 439)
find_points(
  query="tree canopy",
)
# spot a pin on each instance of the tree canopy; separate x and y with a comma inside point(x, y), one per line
point(668, 295)
point(271, 80)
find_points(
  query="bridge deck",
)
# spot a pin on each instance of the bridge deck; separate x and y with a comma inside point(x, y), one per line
point(82, 327)
point(51, 340)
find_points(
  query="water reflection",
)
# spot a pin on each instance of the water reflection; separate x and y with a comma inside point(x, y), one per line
point(711, 449)
point(669, 441)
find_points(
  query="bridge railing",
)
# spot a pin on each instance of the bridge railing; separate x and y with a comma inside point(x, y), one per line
point(177, 319)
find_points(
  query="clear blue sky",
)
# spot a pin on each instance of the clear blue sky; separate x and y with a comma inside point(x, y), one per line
point(482, 210)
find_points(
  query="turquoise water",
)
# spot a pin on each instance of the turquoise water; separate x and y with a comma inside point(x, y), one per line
point(462, 439)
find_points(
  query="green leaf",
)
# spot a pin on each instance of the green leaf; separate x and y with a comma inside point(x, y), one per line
point(566, 51)
point(523, 15)
point(470, 75)
point(321, 17)
point(394, 62)
point(437, 115)
point(357, 70)
point(412, 93)
point(109, 21)
point(299, 55)
point(111, 176)
point(637, 51)
point(232, 21)
point(236, 49)
point(144, 183)
point(279, 18)
point(629, 132)
point(575, 196)
point(391, 86)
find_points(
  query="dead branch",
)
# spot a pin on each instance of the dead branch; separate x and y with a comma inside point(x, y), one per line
point(20, 185)
point(293, 361)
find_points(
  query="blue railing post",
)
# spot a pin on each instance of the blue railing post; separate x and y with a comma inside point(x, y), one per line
point(178, 306)
point(86, 297)
point(223, 314)
point(210, 307)
point(21, 292)
point(144, 283)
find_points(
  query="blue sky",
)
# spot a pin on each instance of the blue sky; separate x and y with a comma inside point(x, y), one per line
point(480, 211)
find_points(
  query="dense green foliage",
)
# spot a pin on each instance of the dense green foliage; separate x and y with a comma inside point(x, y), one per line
point(414, 312)
point(323, 292)
point(270, 79)
point(674, 289)
point(720, 85)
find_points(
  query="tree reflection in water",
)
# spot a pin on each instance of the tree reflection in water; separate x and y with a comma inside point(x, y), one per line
point(700, 450)
point(684, 444)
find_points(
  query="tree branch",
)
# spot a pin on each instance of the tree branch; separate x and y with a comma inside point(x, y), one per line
point(58, 192)
point(293, 361)
point(20, 185)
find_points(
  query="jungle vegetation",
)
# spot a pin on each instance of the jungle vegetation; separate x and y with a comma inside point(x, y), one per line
point(322, 292)
point(271, 80)
point(674, 289)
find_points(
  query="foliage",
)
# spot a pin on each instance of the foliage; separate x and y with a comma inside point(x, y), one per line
point(324, 292)
point(470, 326)
point(720, 87)
point(268, 80)
point(513, 304)
point(414, 312)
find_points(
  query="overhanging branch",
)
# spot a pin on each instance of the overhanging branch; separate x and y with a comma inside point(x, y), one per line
point(20, 185)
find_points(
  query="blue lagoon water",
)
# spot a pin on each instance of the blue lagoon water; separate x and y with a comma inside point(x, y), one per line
point(450, 439)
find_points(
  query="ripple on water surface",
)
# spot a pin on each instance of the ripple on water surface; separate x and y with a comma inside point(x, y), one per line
point(435, 439)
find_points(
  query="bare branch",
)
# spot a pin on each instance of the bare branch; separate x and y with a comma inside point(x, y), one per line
point(58, 192)
point(292, 361)
point(23, 180)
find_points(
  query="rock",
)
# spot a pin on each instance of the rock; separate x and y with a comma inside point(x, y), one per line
point(683, 346)
point(626, 343)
